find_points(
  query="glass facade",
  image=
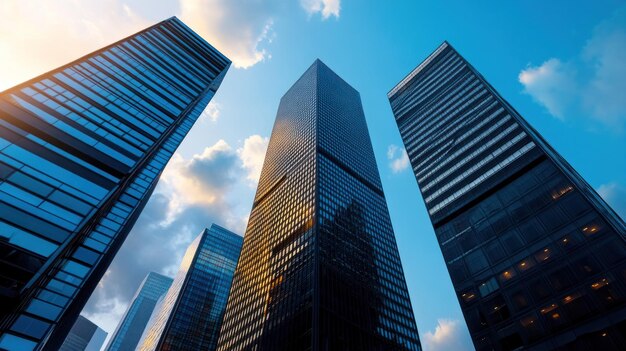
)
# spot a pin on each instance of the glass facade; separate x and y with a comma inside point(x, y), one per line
point(319, 268)
point(84, 336)
point(537, 258)
point(135, 320)
point(81, 149)
point(190, 314)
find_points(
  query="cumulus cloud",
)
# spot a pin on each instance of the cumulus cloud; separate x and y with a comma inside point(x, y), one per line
point(203, 179)
point(240, 29)
point(590, 84)
point(552, 84)
point(192, 193)
point(447, 336)
point(211, 113)
point(326, 8)
point(398, 158)
point(252, 155)
point(615, 195)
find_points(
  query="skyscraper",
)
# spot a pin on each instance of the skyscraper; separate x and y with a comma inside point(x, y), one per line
point(191, 313)
point(135, 320)
point(537, 258)
point(84, 336)
point(319, 268)
point(81, 150)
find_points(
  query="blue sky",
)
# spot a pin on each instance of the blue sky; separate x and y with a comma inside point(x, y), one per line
point(559, 63)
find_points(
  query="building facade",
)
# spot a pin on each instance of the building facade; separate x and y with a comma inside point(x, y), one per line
point(537, 258)
point(319, 268)
point(84, 336)
point(190, 314)
point(135, 319)
point(81, 150)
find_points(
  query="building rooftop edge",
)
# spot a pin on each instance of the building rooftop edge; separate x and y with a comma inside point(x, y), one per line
point(100, 50)
point(417, 69)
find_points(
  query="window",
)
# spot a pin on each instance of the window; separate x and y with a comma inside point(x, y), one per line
point(553, 316)
point(488, 287)
point(531, 327)
point(539, 289)
point(13, 342)
point(483, 231)
point(570, 241)
point(592, 228)
point(468, 295)
point(586, 265)
point(561, 279)
point(467, 241)
point(525, 264)
point(553, 218)
point(576, 305)
point(458, 273)
point(451, 251)
point(476, 261)
point(30, 326)
point(531, 230)
point(519, 299)
point(574, 205)
point(519, 211)
point(512, 241)
point(497, 310)
point(605, 290)
point(543, 254)
point(507, 275)
point(612, 252)
point(495, 252)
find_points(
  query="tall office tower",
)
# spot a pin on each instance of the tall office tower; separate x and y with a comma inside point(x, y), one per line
point(81, 150)
point(135, 320)
point(319, 268)
point(192, 310)
point(537, 258)
point(84, 336)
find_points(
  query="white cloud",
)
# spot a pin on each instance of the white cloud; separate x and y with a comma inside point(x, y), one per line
point(211, 112)
point(615, 195)
point(252, 155)
point(447, 336)
point(240, 29)
point(203, 179)
point(589, 84)
point(551, 84)
point(192, 193)
point(326, 8)
point(398, 158)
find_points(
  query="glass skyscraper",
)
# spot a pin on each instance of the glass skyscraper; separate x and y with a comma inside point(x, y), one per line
point(537, 258)
point(81, 150)
point(84, 336)
point(131, 327)
point(191, 312)
point(319, 268)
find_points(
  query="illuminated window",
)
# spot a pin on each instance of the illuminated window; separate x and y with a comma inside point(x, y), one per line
point(556, 194)
point(507, 275)
point(468, 296)
point(525, 264)
point(543, 255)
point(600, 283)
point(488, 287)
